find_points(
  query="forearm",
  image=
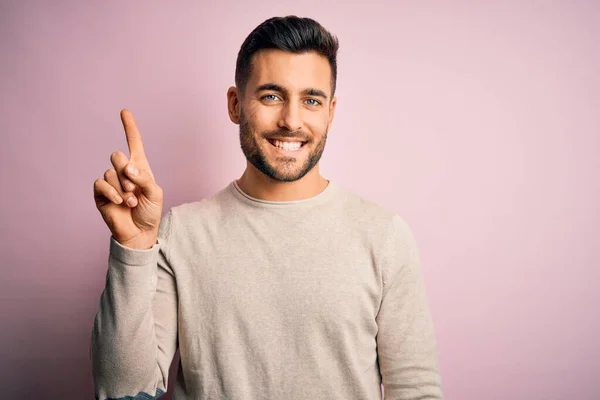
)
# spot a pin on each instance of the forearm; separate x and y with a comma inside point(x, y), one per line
point(130, 352)
point(406, 342)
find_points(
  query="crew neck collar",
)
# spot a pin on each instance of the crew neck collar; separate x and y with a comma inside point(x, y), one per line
point(321, 197)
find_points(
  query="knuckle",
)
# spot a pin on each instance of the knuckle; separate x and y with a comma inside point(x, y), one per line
point(127, 185)
point(109, 173)
point(99, 184)
point(117, 157)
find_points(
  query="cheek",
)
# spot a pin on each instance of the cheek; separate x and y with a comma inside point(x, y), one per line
point(317, 124)
point(264, 120)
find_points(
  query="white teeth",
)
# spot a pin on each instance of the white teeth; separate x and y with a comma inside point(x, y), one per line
point(288, 146)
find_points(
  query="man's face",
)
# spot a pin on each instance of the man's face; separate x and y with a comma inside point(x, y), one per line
point(285, 113)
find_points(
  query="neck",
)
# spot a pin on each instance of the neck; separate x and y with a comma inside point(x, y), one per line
point(256, 184)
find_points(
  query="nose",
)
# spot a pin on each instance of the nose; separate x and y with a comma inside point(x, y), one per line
point(291, 117)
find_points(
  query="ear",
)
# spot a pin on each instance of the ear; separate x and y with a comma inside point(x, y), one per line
point(233, 105)
point(332, 105)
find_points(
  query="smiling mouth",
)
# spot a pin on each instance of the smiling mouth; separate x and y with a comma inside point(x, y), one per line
point(287, 145)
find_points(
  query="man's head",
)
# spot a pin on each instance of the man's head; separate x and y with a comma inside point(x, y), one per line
point(284, 96)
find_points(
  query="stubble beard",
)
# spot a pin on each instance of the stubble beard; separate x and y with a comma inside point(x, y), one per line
point(284, 171)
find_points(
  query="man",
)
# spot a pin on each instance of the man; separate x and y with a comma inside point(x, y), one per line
point(282, 285)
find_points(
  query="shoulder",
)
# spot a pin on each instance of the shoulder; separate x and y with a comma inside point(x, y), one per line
point(195, 214)
point(365, 210)
point(212, 205)
point(389, 231)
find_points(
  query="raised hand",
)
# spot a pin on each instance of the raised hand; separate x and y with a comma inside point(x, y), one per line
point(130, 202)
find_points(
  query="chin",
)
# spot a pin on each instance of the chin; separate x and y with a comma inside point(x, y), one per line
point(287, 175)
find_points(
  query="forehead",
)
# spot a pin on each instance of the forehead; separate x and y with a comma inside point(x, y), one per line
point(294, 72)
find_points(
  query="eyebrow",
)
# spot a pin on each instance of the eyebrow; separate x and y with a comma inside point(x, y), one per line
point(280, 89)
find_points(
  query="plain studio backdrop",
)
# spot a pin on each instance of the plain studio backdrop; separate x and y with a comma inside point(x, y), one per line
point(478, 122)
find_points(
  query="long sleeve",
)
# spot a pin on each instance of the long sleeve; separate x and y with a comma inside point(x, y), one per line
point(406, 343)
point(134, 338)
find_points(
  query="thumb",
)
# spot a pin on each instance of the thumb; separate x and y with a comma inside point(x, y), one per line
point(144, 180)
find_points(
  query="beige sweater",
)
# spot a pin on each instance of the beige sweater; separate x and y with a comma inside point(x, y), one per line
point(314, 299)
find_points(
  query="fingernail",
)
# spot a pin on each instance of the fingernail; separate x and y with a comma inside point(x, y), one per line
point(132, 170)
point(131, 201)
point(118, 199)
point(129, 186)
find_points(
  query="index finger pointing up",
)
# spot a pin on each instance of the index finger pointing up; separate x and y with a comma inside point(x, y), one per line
point(134, 138)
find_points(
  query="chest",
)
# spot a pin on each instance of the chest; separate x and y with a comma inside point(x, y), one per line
point(281, 279)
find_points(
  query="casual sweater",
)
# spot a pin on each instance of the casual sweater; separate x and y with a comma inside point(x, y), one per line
point(322, 298)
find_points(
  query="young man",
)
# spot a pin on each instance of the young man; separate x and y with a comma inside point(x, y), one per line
point(282, 285)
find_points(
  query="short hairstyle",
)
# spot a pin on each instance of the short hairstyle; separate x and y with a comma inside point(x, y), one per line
point(292, 34)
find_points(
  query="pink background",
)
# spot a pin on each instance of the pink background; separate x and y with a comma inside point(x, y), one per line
point(479, 122)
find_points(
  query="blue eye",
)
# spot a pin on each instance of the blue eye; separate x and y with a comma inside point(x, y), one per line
point(314, 102)
point(269, 97)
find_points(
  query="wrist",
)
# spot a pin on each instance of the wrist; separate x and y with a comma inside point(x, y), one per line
point(139, 244)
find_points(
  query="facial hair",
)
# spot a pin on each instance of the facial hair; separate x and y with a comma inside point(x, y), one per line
point(249, 142)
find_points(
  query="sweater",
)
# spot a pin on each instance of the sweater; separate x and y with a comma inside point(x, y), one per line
point(322, 298)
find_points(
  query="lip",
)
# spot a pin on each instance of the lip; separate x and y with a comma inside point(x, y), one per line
point(287, 139)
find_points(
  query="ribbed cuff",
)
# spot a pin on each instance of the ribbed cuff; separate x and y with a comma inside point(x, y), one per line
point(133, 257)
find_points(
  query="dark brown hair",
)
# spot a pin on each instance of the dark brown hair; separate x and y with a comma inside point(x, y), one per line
point(292, 34)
